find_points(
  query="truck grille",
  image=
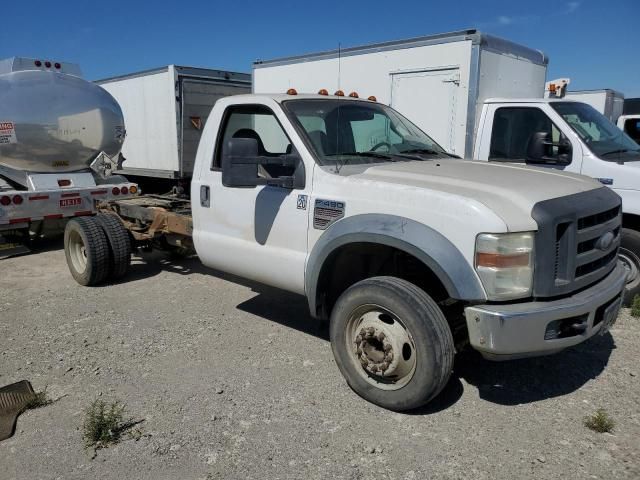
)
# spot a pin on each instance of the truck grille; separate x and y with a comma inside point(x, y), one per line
point(577, 241)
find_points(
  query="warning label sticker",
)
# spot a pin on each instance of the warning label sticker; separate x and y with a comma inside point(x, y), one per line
point(7, 133)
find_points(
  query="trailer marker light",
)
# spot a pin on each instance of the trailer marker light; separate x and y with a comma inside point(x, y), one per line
point(115, 191)
point(17, 200)
point(292, 91)
point(133, 189)
point(47, 64)
point(64, 183)
point(57, 65)
point(372, 98)
point(104, 191)
point(39, 197)
point(339, 93)
point(354, 95)
point(83, 213)
point(323, 91)
point(19, 220)
point(37, 63)
point(124, 190)
point(5, 200)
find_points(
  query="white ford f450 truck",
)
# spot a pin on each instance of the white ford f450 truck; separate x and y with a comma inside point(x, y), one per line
point(408, 252)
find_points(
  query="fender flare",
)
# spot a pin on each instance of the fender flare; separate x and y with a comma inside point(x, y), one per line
point(414, 238)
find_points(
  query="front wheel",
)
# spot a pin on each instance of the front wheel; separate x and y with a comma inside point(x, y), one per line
point(391, 342)
point(629, 254)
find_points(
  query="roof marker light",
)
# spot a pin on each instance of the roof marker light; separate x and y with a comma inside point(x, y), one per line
point(292, 91)
point(57, 65)
point(339, 93)
point(37, 63)
point(354, 95)
point(323, 91)
point(47, 64)
point(372, 98)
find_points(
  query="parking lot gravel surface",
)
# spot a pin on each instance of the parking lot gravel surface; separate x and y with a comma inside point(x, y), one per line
point(232, 380)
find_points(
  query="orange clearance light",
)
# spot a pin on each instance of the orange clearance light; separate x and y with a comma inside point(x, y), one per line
point(339, 93)
point(323, 91)
point(552, 87)
point(133, 189)
point(372, 98)
point(292, 91)
point(354, 95)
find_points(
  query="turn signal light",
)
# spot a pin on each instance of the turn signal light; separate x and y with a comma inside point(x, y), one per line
point(292, 91)
point(354, 95)
point(133, 190)
point(323, 91)
point(339, 93)
point(17, 199)
point(372, 98)
point(497, 260)
point(115, 191)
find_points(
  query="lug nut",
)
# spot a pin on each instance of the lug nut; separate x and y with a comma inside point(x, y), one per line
point(387, 347)
point(381, 336)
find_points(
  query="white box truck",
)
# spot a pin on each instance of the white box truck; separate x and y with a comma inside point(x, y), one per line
point(480, 97)
point(439, 82)
point(165, 110)
point(607, 101)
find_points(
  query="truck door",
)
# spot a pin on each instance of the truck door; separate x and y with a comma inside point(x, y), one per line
point(257, 232)
point(428, 98)
point(512, 127)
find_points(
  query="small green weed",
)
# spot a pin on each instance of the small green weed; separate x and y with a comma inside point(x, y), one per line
point(41, 399)
point(104, 424)
point(600, 421)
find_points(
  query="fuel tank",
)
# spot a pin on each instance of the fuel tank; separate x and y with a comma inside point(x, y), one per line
point(54, 122)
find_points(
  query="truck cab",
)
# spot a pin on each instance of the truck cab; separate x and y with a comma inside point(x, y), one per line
point(572, 137)
point(410, 253)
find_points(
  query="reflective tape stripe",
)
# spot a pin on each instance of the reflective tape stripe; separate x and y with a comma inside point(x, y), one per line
point(39, 197)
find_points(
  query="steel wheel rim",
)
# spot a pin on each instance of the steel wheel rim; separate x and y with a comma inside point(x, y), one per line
point(631, 263)
point(380, 347)
point(77, 252)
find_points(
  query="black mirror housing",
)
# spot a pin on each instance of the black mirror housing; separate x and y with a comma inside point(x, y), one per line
point(540, 151)
point(240, 160)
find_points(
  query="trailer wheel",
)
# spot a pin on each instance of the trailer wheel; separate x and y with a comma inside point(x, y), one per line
point(87, 251)
point(391, 342)
point(119, 244)
point(629, 254)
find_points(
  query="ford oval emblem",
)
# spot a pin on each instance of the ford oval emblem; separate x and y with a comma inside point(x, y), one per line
point(605, 241)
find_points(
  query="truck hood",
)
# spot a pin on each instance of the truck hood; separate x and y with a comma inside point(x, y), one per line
point(509, 190)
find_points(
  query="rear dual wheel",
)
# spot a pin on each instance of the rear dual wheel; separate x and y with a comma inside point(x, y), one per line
point(392, 343)
point(96, 248)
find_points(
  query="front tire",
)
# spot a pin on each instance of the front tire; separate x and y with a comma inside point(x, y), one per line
point(630, 257)
point(391, 343)
point(87, 251)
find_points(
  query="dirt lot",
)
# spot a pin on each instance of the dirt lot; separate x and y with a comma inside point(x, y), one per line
point(234, 381)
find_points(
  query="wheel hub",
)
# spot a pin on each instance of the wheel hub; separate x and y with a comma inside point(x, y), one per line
point(382, 347)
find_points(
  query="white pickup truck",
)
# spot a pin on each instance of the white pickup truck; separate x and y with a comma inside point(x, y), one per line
point(410, 253)
point(572, 137)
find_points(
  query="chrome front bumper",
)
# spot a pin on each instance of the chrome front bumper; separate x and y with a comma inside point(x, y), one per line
point(503, 332)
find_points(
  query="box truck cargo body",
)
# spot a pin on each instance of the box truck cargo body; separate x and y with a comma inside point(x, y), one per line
point(608, 102)
point(165, 110)
point(439, 82)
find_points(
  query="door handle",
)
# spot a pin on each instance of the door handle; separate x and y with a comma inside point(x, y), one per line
point(205, 196)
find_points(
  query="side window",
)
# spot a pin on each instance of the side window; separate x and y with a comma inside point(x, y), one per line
point(370, 133)
point(632, 128)
point(512, 129)
point(252, 121)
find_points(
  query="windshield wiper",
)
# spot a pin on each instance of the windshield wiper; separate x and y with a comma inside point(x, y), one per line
point(429, 151)
point(620, 150)
point(362, 154)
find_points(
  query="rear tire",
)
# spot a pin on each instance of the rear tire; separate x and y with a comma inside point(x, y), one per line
point(391, 342)
point(630, 257)
point(87, 251)
point(119, 244)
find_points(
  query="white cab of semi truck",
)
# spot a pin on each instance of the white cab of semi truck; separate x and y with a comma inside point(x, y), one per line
point(607, 101)
point(439, 82)
point(482, 98)
point(165, 110)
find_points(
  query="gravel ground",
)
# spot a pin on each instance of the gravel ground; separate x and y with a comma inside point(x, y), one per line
point(233, 380)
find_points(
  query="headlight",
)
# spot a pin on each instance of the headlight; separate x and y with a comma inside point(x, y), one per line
point(504, 262)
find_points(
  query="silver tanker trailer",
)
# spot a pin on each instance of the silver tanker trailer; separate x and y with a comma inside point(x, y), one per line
point(60, 139)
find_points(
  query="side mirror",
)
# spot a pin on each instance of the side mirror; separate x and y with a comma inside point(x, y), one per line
point(240, 161)
point(542, 151)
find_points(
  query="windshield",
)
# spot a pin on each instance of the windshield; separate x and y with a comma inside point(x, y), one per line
point(601, 136)
point(345, 131)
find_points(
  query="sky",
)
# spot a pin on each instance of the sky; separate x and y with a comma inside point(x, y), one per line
point(595, 43)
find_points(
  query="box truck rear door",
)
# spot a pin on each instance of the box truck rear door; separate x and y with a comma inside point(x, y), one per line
point(428, 98)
